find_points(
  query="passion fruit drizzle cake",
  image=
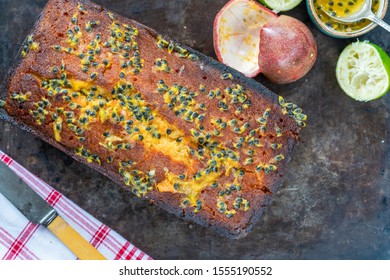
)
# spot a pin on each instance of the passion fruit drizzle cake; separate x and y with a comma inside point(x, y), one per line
point(172, 125)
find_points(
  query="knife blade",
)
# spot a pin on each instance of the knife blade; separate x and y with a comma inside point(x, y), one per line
point(38, 211)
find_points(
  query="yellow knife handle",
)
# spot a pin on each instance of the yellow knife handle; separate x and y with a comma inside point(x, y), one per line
point(73, 240)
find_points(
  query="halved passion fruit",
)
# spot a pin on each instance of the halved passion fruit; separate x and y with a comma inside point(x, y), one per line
point(251, 39)
point(236, 34)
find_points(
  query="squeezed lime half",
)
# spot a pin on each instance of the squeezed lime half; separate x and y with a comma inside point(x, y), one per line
point(363, 71)
point(281, 5)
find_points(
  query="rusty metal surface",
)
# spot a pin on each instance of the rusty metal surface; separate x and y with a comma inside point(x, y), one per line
point(334, 201)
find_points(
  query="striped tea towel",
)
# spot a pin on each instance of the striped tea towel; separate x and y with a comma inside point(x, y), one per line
point(22, 240)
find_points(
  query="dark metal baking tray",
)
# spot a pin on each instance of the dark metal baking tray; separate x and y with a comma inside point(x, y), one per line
point(334, 201)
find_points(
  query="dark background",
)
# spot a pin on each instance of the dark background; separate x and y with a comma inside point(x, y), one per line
point(334, 201)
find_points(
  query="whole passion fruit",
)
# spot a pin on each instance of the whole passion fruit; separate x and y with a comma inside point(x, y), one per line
point(288, 50)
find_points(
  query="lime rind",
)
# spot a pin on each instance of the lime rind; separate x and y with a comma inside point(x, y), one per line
point(363, 71)
point(281, 5)
point(385, 59)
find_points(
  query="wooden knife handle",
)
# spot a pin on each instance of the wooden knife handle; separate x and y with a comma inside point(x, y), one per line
point(73, 240)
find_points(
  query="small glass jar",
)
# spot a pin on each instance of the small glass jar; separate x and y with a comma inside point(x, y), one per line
point(344, 30)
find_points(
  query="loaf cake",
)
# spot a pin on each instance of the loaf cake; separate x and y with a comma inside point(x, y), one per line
point(173, 126)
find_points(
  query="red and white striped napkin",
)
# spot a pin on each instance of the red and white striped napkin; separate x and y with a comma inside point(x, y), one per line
point(22, 240)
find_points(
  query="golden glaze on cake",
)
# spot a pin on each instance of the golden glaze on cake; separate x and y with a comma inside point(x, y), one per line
point(175, 127)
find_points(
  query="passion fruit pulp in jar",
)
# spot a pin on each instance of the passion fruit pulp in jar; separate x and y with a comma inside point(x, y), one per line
point(342, 8)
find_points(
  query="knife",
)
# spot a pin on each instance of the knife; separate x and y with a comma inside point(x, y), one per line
point(38, 211)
